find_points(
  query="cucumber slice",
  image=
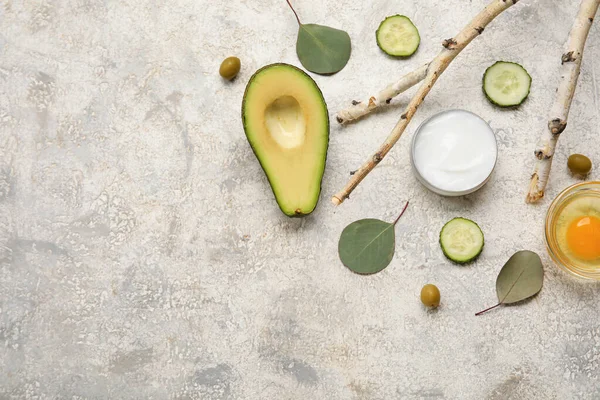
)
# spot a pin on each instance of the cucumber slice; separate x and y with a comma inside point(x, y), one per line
point(398, 36)
point(506, 84)
point(461, 240)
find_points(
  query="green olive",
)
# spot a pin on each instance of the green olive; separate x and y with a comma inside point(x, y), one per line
point(430, 295)
point(579, 164)
point(230, 68)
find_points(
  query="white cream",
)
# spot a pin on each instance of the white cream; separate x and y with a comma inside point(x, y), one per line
point(454, 152)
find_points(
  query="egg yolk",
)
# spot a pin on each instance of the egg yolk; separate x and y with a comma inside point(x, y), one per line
point(583, 237)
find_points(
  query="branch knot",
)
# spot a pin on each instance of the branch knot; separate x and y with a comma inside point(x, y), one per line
point(450, 44)
point(539, 154)
point(542, 155)
point(567, 57)
point(557, 126)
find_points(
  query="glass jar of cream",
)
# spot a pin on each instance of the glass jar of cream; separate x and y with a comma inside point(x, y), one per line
point(454, 152)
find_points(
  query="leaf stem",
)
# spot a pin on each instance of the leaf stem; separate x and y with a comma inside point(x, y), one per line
point(488, 309)
point(404, 209)
point(295, 13)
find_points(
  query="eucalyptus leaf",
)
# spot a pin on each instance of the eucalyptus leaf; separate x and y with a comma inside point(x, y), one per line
point(520, 278)
point(322, 49)
point(367, 246)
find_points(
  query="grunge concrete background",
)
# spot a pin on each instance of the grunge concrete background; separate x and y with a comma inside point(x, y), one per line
point(142, 254)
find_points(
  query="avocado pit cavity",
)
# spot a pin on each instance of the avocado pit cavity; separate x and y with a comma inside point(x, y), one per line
point(286, 122)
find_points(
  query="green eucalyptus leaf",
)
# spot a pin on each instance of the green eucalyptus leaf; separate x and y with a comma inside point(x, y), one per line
point(322, 49)
point(367, 246)
point(521, 277)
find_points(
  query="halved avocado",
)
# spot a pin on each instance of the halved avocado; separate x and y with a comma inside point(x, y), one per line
point(287, 124)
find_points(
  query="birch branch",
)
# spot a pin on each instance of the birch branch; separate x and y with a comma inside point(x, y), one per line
point(559, 112)
point(452, 47)
point(359, 109)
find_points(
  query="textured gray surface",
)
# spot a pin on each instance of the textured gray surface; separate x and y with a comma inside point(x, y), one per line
point(142, 254)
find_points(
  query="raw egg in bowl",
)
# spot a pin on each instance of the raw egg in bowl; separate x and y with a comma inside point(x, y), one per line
point(573, 230)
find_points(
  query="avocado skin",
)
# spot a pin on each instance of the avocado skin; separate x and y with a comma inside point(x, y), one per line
point(298, 213)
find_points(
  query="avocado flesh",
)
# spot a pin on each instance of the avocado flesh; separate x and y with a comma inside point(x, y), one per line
point(286, 122)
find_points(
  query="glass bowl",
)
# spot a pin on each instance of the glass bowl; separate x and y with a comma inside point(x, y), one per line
point(566, 262)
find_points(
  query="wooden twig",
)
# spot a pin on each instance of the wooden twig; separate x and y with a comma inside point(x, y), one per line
point(452, 47)
point(570, 67)
point(359, 109)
